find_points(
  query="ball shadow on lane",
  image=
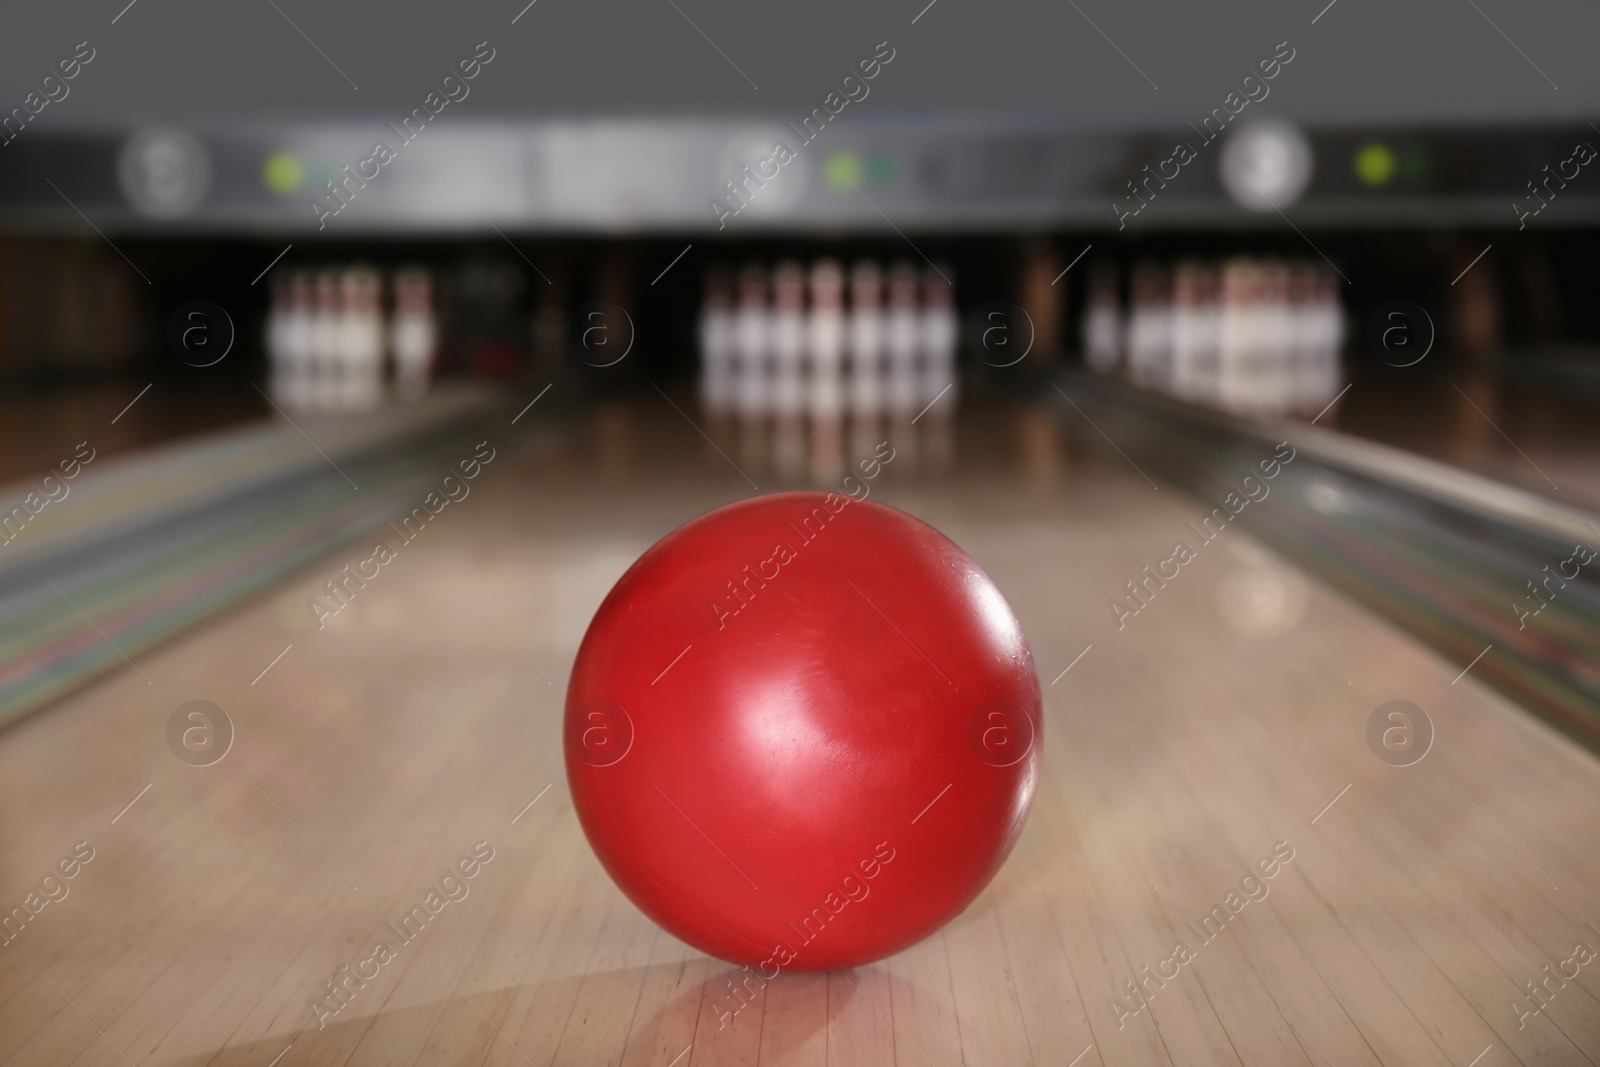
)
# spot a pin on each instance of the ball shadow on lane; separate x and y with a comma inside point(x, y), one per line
point(729, 1015)
point(792, 1019)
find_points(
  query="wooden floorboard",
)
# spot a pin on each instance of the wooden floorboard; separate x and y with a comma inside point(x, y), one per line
point(383, 748)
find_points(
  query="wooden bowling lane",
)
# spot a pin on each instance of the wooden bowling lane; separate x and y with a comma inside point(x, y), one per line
point(414, 736)
point(117, 417)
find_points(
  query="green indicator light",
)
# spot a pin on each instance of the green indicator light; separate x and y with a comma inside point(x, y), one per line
point(321, 172)
point(842, 171)
point(283, 173)
point(1375, 164)
point(1415, 165)
point(881, 170)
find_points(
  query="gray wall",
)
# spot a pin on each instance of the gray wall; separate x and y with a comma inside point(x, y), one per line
point(1363, 61)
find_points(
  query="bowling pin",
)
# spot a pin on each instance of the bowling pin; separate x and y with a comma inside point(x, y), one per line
point(825, 393)
point(1102, 323)
point(1149, 328)
point(902, 361)
point(1328, 330)
point(361, 339)
point(1237, 332)
point(1275, 339)
point(325, 337)
point(1303, 342)
point(1188, 330)
point(866, 356)
point(413, 333)
point(941, 381)
point(300, 341)
point(1205, 322)
point(752, 360)
point(278, 339)
point(716, 330)
point(787, 346)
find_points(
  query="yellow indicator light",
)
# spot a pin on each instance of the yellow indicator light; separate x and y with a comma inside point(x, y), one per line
point(842, 171)
point(1375, 164)
point(283, 173)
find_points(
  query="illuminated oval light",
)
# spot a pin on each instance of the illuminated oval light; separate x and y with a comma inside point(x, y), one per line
point(1266, 165)
point(164, 173)
point(769, 187)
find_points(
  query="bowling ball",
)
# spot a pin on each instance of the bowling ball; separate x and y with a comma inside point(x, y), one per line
point(803, 732)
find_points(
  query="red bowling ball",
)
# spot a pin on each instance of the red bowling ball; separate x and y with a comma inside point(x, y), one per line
point(803, 732)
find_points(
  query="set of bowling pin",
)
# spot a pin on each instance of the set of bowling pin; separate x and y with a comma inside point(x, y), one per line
point(801, 369)
point(1252, 337)
point(327, 338)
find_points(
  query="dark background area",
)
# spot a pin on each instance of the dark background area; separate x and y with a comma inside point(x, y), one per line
point(1543, 284)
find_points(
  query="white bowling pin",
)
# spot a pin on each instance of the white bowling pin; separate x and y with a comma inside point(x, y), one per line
point(902, 363)
point(866, 354)
point(1302, 325)
point(413, 334)
point(1102, 323)
point(277, 337)
point(361, 341)
point(1275, 351)
point(1189, 314)
point(1208, 352)
point(787, 347)
point(299, 340)
point(275, 334)
point(753, 354)
point(901, 346)
point(939, 337)
point(1203, 336)
point(1150, 328)
point(1237, 335)
point(825, 394)
point(716, 329)
point(326, 336)
point(1329, 325)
